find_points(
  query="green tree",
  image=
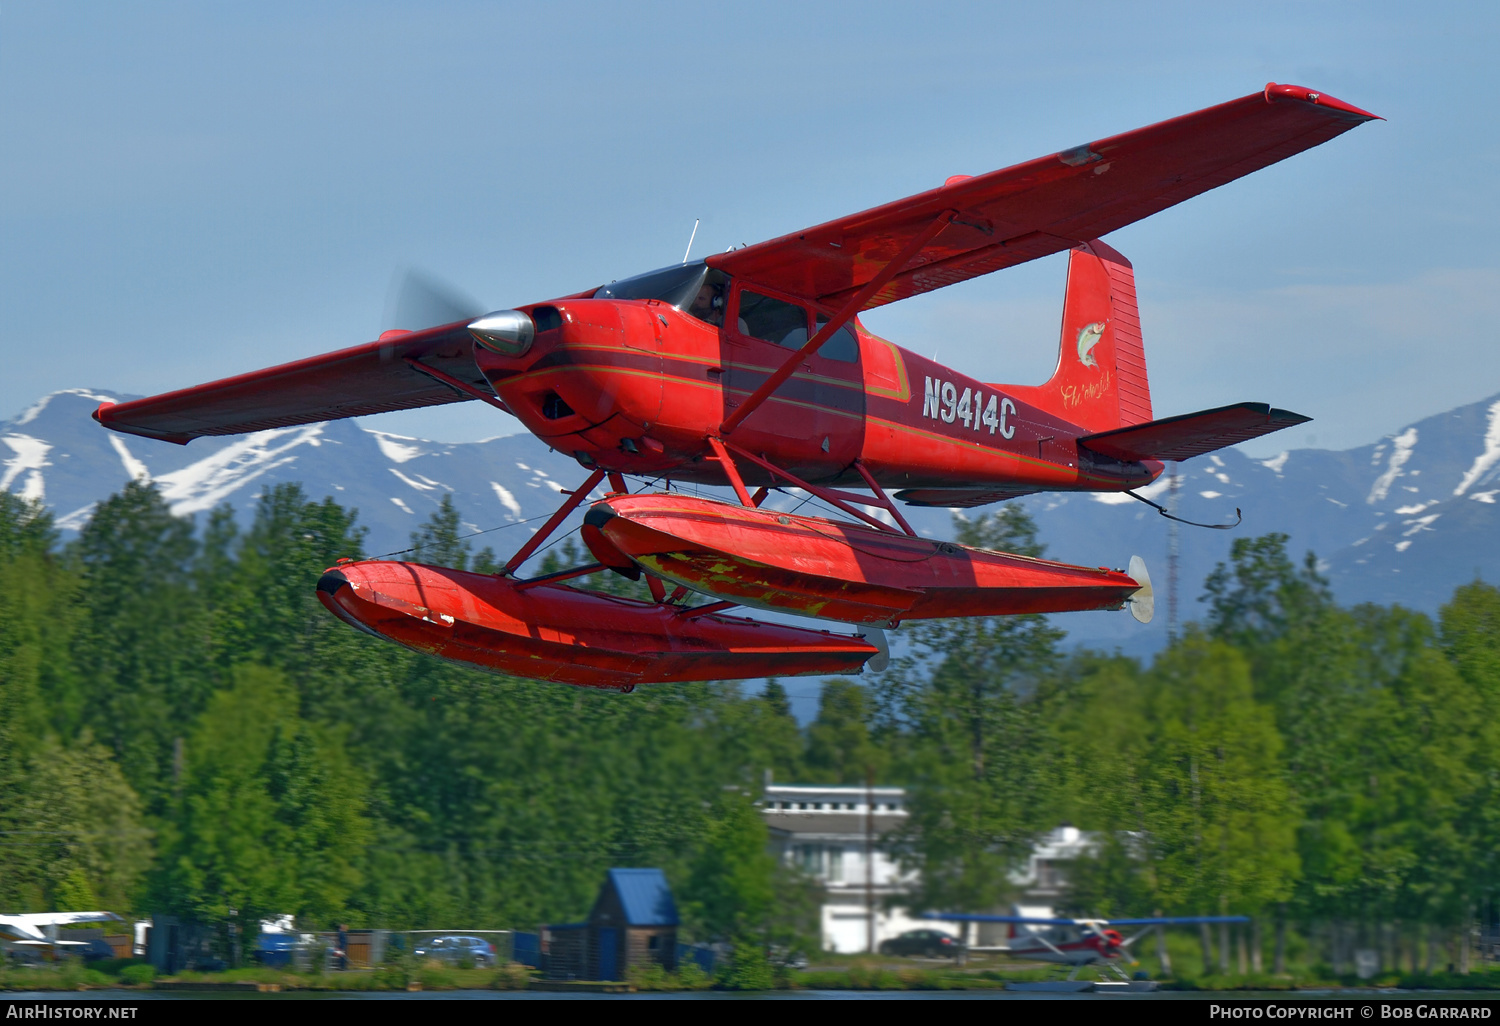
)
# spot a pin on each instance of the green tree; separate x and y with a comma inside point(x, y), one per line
point(439, 542)
point(779, 735)
point(738, 893)
point(271, 609)
point(1259, 601)
point(1103, 745)
point(730, 885)
point(142, 647)
point(840, 749)
point(1470, 635)
point(99, 846)
point(272, 817)
point(969, 706)
point(1470, 638)
point(1383, 740)
point(77, 836)
point(36, 627)
point(486, 562)
point(1221, 831)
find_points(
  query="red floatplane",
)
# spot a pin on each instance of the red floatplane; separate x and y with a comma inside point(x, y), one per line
point(751, 369)
point(1076, 942)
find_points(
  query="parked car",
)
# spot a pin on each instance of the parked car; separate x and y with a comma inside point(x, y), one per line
point(277, 948)
point(94, 950)
point(457, 949)
point(930, 943)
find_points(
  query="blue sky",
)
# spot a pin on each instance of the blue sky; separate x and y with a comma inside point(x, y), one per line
point(194, 190)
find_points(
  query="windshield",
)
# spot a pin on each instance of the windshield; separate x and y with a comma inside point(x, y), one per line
point(694, 288)
point(676, 285)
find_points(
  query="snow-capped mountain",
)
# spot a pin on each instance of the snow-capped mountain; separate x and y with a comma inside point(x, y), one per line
point(59, 455)
point(1405, 519)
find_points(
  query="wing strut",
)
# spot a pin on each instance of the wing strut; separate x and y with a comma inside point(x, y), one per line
point(454, 383)
point(856, 303)
point(732, 472)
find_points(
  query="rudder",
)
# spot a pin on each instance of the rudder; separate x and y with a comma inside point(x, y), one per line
point(1100, 382)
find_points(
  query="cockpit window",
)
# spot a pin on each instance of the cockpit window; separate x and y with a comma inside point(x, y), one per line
point(703, 292)
point(842, 347)
point(773, 320)
point(676, 285)
point(712, 298)
point(695, 288)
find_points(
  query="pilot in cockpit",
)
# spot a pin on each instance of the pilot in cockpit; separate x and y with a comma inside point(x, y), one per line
point(710, 302)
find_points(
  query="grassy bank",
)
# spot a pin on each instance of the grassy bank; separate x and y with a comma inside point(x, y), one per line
point(74, 976)
point(865, 975)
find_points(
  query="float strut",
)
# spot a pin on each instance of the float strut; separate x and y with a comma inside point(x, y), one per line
point(731, 471)
point(552, 524)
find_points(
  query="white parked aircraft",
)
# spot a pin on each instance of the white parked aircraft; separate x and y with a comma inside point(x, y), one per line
point(40, 928)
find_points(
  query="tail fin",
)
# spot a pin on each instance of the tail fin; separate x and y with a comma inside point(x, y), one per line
point(1100, 382)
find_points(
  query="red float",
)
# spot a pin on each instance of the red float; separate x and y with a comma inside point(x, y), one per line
point(836, 570)
point(554, 632)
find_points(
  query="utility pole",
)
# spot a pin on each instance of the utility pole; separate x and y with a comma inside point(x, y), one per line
point(1172, 562)
point(870, 859)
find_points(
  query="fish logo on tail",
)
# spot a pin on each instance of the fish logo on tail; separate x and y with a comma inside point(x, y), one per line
point(1088, 337)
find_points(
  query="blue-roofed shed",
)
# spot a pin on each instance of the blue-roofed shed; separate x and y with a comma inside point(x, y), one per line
point(633, 923)
point(645, 898)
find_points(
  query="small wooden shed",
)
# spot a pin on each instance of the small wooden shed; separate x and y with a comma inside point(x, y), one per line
point(633, 923)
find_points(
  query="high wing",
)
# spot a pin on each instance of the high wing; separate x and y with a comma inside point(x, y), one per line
point(376, 377)
point(1044, 206)
point(1147, 924)
point(29, 925)
point(976, 917)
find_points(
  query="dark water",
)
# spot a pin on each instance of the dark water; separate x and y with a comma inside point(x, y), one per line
point(1359, 996)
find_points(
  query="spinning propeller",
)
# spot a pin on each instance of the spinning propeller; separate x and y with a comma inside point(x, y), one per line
point(416, 300)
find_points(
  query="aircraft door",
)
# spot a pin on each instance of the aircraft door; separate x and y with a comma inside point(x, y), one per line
point(814, 426)
point(840, 394)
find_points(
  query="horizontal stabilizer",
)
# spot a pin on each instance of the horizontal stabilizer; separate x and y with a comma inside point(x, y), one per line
point(366, 379)
point(1192, 434)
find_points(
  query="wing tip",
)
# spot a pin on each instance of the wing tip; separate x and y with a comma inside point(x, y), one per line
point(103, 416)
point(1302, 94)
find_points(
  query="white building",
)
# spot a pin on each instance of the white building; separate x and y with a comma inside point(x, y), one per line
point(1044, 877)
point(827, 832)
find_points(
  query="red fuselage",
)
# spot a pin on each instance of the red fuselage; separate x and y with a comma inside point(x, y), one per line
point(635, 386)
point(1068, 946)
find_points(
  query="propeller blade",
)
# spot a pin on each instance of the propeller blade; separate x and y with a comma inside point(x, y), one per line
point(882, 659)
point(416, 301)
point(1142, 603)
